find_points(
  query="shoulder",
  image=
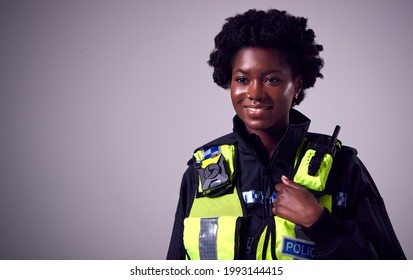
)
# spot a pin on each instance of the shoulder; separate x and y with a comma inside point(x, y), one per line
point(324, 138)
point(348, 151)
point(227, 139)
point(344, 156)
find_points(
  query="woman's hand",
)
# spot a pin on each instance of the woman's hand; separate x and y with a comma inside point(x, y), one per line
point(296, 204)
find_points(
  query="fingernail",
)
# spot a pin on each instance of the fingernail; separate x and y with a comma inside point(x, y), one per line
point(284, 177)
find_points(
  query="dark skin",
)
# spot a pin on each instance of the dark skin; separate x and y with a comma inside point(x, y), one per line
point(262, 91)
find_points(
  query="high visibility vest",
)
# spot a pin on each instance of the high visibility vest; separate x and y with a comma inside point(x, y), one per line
point(211, 231)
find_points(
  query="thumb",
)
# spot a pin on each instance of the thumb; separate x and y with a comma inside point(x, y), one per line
point(290, 183)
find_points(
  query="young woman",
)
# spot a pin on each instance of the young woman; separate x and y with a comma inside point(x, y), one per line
point(271, 189)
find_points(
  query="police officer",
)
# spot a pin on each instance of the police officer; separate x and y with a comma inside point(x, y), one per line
point(255, 193)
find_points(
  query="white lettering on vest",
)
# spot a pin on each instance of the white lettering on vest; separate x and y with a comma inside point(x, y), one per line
point(298, 248)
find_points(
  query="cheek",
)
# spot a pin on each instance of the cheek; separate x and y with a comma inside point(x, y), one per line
point(287, 95)
point(236, 100)
point(290, 90)
point(236, 95)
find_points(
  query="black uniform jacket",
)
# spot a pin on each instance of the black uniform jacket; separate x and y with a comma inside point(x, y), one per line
point(360, 230)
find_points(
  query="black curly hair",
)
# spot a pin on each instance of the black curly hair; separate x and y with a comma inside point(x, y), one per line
point(268, 29)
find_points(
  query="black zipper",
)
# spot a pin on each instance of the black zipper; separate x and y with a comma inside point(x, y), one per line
point(267, 192)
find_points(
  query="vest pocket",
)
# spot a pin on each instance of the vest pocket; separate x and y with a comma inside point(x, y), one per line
point(214, 238)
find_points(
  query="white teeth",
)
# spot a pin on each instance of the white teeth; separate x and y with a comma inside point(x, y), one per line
point(259, 109)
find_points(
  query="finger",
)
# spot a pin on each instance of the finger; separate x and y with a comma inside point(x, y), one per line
point(278, 210)
point(275, 207)
point(290, 183)
point(279, 187)
point(274, 211)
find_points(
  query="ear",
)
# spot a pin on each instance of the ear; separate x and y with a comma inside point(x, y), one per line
point(298, 84)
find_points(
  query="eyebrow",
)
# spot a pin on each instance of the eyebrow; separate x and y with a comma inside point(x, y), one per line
point(263, 73)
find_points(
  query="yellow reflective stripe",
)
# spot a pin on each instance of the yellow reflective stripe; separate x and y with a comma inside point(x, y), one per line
point(192, 228)
point(326, 201)
point(227, 237)
point(283, 228)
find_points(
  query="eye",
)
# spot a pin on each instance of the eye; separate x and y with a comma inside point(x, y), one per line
point(241, 80)
point(272, 80)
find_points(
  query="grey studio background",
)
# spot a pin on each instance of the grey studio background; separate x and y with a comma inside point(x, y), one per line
point(103, 102)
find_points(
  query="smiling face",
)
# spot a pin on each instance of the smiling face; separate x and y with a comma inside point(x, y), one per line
point(262, 89)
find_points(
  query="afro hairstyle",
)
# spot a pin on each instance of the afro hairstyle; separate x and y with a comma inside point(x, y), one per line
point(269, 29)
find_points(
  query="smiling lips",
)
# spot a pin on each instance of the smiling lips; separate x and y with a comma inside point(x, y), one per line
point(257, 109)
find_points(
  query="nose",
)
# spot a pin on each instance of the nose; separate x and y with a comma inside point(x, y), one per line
point(255, 91)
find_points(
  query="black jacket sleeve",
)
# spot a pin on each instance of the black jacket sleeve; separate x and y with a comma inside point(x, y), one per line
point(363, 230)
point(176, 249)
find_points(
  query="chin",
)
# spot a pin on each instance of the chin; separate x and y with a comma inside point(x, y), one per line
point(254, 125)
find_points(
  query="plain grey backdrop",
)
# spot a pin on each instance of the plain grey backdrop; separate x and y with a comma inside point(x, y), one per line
point(103, 102)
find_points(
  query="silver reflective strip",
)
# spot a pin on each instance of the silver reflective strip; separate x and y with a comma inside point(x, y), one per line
point(208, 239)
